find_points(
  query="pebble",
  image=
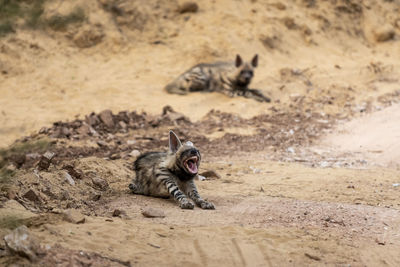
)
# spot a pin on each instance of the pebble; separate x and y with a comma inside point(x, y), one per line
point(188, 7)
point(134, 153)
point(73, 216)
point(69, 179)
point(153, 213)
point(21, 242)
point(210, 174)
point(100, 183)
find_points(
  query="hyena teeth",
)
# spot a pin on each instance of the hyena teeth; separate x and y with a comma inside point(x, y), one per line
point(171, 173)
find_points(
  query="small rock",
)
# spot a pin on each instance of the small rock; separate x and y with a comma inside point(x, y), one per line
point(201, 177)
point(123, 125)
point(255, 170)
point(134, 153)
point(22, 243)
point(380, 242)
point(96, 196)
point(69, 179)
point(84, 129)
point(324, 164)
point(45, 160)
point(290, 150)
point(73, 216)
point(384, 33)
point(279, 6)
point(12, 192)
point(115, 156)
point(32, 156)
point(131, 142)
point(65, 132)
point(313, 257)
point(100, 183)
point(101, 143)
point(188, 7)
point(88, 36)
point(152, 213)
point(32, 195)
point(11, 167)
point(93, 132)
point(92, 119)
point(73, 172)
point(106, 118)
point(118, 213)
point(18, 159)
point(211, 174)
point(44, 130)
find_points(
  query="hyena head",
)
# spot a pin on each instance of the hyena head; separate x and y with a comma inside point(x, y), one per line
point(186, 157)
point(245, 70)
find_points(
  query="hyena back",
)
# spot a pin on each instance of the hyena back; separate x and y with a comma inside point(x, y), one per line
point(229, 78)
point(172, 173)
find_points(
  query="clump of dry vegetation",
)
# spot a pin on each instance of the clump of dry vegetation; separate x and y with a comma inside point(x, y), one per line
point(23, 13)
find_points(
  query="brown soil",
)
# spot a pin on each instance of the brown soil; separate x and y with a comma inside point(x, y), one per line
point(311, 178)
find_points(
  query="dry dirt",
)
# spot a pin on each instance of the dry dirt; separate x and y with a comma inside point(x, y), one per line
point(311, 178)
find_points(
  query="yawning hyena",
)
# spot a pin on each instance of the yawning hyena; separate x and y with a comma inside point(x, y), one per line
point(226, 77)
point(171, 173)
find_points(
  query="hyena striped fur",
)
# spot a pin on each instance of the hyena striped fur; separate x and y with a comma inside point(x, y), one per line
point(229, 78)
point(172, 173)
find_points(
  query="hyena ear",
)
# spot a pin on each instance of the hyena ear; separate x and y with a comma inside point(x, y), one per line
point(254, 61)
point(174, 142)
point(238, 61)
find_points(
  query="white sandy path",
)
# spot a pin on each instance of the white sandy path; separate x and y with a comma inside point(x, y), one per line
point(376, 136)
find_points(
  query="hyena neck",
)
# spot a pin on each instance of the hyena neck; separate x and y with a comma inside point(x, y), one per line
point(240, 86)
point(182, 175)
point(236, 84)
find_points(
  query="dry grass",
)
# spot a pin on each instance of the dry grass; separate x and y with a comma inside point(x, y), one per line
point(22, 13)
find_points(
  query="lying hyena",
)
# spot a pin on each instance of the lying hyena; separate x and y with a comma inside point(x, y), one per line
point(229, 78)
point(172, 173)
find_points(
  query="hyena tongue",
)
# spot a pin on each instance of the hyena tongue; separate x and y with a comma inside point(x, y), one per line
point(192, 166)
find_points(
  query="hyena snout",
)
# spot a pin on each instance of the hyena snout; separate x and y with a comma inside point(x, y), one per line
point(246, 76)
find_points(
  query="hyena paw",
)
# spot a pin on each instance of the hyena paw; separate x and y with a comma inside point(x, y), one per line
point(267, 99)
point(187, 205)
point(207, 205)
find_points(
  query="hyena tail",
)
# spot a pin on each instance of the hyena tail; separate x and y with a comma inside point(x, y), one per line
point(175, 88)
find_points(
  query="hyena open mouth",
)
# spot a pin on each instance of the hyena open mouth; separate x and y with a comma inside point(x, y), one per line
point(191, 164)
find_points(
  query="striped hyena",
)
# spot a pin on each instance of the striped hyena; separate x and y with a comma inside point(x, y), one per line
point(172, 173)
point(226, 77)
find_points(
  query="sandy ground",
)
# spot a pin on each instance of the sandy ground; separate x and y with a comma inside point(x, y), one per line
point(282, 200)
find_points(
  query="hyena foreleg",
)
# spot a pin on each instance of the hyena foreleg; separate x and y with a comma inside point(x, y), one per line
point(193, 194)
point(256, 95)
point(174, 191)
